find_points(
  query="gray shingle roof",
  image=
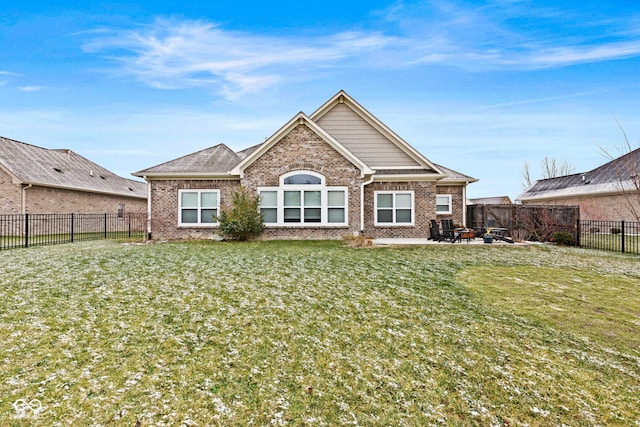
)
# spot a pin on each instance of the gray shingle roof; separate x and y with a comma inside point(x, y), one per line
point(611, 177)
point(454, 176)
point(216, 160)
point(497, 200)
point(63, 169)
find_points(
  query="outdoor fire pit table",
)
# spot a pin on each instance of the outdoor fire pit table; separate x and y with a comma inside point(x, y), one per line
point(464, 233)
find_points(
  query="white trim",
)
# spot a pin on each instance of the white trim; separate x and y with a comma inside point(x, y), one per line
point(343, 98)
point(324, 201)
point(450, 203)
point(283, 177)
point(198, 208)
point(407, 177)
point(394, 208)
point(299, 119)
point(204, 176)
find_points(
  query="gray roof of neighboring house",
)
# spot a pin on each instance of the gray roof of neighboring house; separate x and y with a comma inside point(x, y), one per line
point(498, 200)
point(62, 168)
point(611, 177)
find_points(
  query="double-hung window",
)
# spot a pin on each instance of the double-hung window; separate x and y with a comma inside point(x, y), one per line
point(303, 199)
point(394, 208)
point(443, 204)
point(198, 207)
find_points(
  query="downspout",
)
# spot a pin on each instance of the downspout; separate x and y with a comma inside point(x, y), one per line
point(362, 202)
point(148, 207)
point(464, 205)
point(23, 202)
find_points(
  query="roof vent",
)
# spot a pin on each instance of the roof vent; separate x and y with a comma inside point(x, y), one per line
point(102, 177)
point(57, 170)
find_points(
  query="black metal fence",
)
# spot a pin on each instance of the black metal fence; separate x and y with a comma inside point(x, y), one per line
point(21, 231)
point(617, 236)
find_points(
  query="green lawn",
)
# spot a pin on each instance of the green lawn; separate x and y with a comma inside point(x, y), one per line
point(318, 334)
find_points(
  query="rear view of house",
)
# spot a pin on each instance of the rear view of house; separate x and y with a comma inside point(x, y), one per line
point(39, 180)
point(335, 172)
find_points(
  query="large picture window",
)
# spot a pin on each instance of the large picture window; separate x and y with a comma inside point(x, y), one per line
point(303, 198)
point(198, 207)
point(443, 204)
point(394, 208)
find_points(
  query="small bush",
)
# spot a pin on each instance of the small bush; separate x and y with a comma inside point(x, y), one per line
point(562, 238)
point(616, 230)
point(244, 218)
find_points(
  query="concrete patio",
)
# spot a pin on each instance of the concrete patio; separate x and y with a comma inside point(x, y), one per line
point(425, 242)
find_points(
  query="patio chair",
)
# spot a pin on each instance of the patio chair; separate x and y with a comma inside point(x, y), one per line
point(447, 230)
point(434, 232)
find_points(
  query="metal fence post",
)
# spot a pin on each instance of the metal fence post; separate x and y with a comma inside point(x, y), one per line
point(622, 232)
point(579, 233)
point(26, 230)
point(105, 226)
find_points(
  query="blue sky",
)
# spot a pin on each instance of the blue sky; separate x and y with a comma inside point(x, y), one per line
point(477, 86)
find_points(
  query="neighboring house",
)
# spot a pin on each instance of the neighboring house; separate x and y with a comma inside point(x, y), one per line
point(609, 192)
point(39, 180)
point(338, 171)
point(499, 200)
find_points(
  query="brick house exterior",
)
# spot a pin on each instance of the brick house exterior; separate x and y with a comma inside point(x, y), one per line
point(37, 180)
point(610, 192)
point(339, 171)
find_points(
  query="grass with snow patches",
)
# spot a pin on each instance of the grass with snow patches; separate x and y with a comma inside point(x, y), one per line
point(318, 334)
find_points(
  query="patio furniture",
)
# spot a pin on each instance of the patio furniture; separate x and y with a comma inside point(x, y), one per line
point(434, 232)
point(463, 233)
point(448, 230)
point(498, 233)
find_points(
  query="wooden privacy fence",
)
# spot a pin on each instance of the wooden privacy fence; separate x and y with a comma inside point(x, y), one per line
point(21, 231)
point(526, 222)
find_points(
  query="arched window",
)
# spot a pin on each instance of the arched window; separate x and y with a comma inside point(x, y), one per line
point(303, 199)
point(302, 178)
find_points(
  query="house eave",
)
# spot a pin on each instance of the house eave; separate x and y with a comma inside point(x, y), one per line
point(453, 181)
point(344, 98)
point(574, 193)
point(406, 177)
point(300, 119)
point(84, 190)
point(187, 175)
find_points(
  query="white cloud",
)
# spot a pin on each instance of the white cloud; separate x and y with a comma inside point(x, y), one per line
point(506, 35)
point(172, 55)
point(30, 88)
